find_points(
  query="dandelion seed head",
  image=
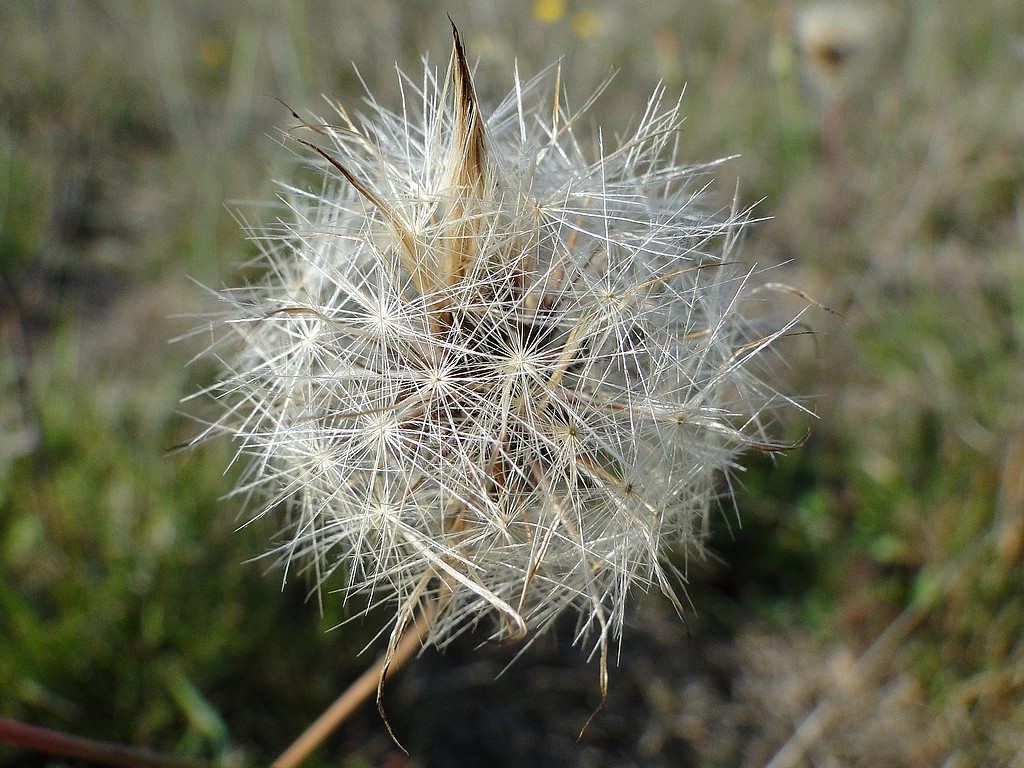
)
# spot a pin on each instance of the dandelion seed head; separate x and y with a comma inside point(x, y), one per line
point(493, 367)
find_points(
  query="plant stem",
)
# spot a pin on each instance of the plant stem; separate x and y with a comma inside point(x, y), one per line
point(360, 690)
point(59, 743)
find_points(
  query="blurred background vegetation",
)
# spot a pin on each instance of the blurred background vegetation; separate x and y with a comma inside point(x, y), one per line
point(867, 608)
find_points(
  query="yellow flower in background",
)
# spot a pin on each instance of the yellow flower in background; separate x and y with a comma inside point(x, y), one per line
point(586, 23)
point(549, 11)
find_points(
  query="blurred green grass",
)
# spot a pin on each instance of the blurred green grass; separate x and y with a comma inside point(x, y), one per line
point(128, 610)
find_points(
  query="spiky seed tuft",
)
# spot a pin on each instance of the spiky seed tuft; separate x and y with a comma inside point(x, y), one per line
point(491, 370)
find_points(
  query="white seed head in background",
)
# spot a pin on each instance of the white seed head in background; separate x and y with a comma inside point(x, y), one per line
point(836, 42)
point(493, 370)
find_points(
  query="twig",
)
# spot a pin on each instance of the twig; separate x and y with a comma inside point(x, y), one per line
point(871, 661)
point(59, 743)
point(820, 718)
point(367, 684)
